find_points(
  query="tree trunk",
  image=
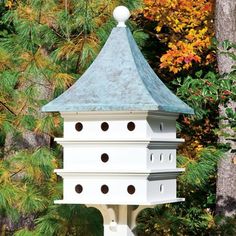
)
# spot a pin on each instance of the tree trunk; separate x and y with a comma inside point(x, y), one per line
point(225, 27)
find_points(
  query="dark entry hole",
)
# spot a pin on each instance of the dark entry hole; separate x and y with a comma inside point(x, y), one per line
point(131, 189)
point(78, 188)
point(104, 126)
point(161, 157)
point(104, 157)
point(104, 189)
point(78, 126)
point(131, 126)
point(161, 126)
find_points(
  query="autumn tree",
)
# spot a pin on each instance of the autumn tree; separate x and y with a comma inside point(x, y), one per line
point(185, 26)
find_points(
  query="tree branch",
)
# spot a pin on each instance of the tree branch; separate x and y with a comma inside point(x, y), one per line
point(17, 172)
point(8, 108)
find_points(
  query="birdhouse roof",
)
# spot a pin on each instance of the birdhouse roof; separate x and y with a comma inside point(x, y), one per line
point(119, 79)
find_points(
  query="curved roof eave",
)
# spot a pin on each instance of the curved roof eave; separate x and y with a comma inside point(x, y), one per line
point(119, 79)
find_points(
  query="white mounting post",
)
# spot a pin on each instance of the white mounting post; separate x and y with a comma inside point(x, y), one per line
point(119, 220)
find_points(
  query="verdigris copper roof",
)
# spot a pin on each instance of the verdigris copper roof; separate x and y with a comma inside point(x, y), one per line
point(119, 79)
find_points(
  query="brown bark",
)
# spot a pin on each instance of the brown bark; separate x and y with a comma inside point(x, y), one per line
point(225, 27)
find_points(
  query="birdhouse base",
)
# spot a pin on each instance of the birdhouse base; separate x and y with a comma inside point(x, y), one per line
point(119, 220)
point(117, 230)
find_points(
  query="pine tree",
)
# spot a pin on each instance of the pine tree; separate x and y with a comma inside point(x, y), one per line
point(44, 48)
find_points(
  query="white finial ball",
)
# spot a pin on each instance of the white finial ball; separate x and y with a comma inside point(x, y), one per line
point(121, 15)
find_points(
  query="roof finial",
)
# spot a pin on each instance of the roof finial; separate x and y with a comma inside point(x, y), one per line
point(121, 15)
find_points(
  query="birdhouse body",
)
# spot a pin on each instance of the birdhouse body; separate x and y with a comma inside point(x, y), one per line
point(132, 141)
point(147, 125)
point(119, 157)
point(119, 130)
point(147, 191)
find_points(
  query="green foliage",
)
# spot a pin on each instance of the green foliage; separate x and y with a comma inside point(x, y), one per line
point(225, 226)
point(33, 201)
point(8, 197)
point(228, 48)
point(199, 170)
point(195, 215)
point(70, 220)
point(44, 48)
point(26, 232)
point(231, 116)
point(205, 92)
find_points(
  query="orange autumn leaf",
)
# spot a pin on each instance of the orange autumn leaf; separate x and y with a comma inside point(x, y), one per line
point(190, 26)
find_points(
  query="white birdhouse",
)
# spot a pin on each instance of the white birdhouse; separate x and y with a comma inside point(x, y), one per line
point(119, 129)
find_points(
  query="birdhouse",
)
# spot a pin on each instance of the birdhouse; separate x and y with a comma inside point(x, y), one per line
point(119, 129)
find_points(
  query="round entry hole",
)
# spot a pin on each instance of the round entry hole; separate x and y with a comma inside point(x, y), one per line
point(79, 188)
point(79, 126)
point(131, 189)
point(104, 157)
point(131, 126)
point(104, 189)
point(104, 126)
